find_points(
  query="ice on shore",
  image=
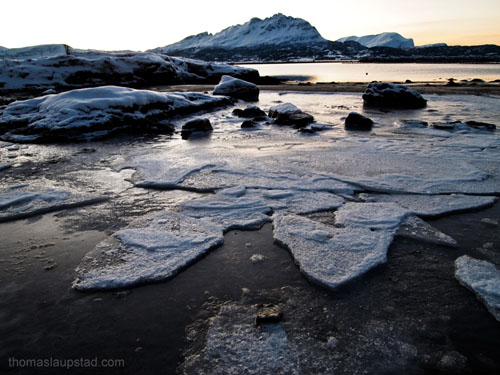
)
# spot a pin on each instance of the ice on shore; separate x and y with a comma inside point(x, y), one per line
point(328, 255)
point(241, 208)
point(23, 201)
point(483, 279)
point(235, 345)
point(384, 216)
point(149, 249)
point(86, 114)
point(415, 228)
point(231, 209)
point(433, 205)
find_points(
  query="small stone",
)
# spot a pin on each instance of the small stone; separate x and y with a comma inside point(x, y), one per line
point(196, 125)
point(355, 121)
point(248, 124)
point(257, 258)
point(245, 290)
point(250, 111)
point(268, 314)
point(488, 245)
point(50, 267)
point(332, 342)
point(489, 221)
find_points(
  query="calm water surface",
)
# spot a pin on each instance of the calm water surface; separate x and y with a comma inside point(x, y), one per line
point(357, 72)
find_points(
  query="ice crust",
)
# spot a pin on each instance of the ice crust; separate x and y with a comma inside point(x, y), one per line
point(275, 171)
point(328, 255)
point(433, 205)
point(23, 201)
point(150, 249)
point(483, 279)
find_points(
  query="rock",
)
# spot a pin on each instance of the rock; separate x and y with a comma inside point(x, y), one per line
point(260, 118)
point(289, 114)
point(237, 88)
point(196, 125)
point(257, 258)
point(481, 125)
point(268, 314)
point(384, 94)
point(248, 124)
point(355, 121)
point(250, 111)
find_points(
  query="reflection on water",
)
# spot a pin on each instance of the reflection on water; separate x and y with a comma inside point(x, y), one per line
point(357, 72)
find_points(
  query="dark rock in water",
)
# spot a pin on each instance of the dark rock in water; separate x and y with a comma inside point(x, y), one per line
point(308, 130)
point(355, 121)
point(445, 125)
point(383, 94)
point(477, 80)
point(249, 112)
point(268, 314)
point(289, 114)
point(247, 124)
point(237, 88)
point(196, 125)
point(451, 82)
point(481, 125)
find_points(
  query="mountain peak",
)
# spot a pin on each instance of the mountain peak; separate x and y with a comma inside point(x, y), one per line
point(276, 30)
point(386, 39)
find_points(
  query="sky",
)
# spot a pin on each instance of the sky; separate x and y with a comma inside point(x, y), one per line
point(145, 24)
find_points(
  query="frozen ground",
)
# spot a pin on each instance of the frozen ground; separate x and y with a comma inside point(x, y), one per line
point(337, 199)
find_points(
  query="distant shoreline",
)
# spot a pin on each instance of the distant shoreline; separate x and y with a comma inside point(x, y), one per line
point(362, 62)
point(358, 87)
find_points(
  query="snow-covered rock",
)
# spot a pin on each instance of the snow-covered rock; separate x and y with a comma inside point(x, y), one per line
point(91, 113)
point(483, 279)
point(237, 88)
point(331, 256)
point(392, 95)
point(393, 40)
point(87, 68)
point(20, 202)
point(275, 30)
point(150, 249)
point(289, 114)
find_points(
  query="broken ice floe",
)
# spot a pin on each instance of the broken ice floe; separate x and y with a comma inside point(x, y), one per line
point(371, 215)
point(23, 201)
point(249, 208)
point(328, 255)
point(149, 249)
point(415, 228)
point(483, 279)
point(433, 205)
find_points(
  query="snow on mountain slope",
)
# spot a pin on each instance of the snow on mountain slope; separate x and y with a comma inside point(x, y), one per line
point(34, 52)
point(275, 30)
point(393, 40)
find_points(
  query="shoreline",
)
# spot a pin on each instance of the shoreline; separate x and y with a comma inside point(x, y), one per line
point(356, 87)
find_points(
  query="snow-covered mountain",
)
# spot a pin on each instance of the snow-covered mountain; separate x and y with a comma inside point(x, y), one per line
point(393, 40)
point(276, 30)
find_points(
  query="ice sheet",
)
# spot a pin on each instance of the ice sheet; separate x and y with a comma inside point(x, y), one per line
point(483, 279)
